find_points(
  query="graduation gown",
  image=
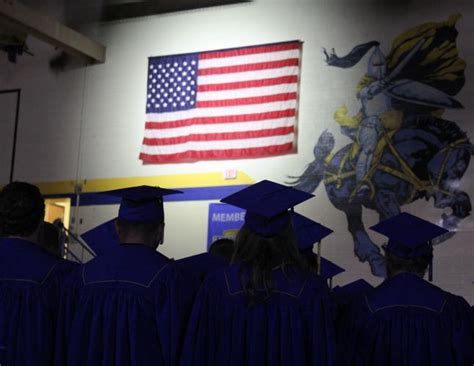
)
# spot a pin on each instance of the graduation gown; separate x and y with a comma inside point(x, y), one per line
point(293, 327)
point(342, 296)
point(200, 265)
point(30, 281)
point(124, 308)
point(407, 321)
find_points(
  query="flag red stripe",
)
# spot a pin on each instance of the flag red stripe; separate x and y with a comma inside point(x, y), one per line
point(291, 79)
point(246, 101)
point(189, 156)
point(219, 136)
point(221, 119)
point(250, 50)
point(249, 67)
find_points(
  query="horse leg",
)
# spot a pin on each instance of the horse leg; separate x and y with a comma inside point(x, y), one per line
point(364, 248)
point(386, 204)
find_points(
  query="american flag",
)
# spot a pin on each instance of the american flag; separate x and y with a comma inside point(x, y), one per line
point(227, 104)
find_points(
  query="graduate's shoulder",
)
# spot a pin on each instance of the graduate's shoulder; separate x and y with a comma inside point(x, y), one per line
point(129, 265)
point(407, 290)
point(230, 279)
point(27, 261)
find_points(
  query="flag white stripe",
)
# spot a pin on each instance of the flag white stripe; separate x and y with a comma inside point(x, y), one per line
point(247, 75)
point(218, 145)
point(247, 92)
point(249, 59)
point(222, 111)
point(220, 128)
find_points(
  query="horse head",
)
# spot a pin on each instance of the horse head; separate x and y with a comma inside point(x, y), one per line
point(445, 172)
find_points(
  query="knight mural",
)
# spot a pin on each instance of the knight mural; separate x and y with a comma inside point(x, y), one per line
point(403, 149)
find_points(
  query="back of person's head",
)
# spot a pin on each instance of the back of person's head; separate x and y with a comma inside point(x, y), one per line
point(21, 209)
point(417, 265)
point(223, 247)
point(50, 238)
point(261, 255)
point(147, 233)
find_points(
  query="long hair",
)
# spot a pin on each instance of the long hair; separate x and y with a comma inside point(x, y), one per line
point(260, 255)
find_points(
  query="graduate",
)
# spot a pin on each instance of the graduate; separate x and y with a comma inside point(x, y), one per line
point(126, 307)
point(407, 321)
point(30, 280)
point(200, 265)
point(267, 307)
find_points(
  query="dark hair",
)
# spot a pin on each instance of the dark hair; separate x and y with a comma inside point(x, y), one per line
point(416, 265)
point(21, 209)
point(311, 259)
point(260, 255)
point(49, 238)
point(223, 247)
point(141, 228)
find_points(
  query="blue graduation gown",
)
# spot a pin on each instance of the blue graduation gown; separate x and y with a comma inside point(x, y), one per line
point(125, 307)
point(200, 265)
point(407, 321)
point(293, 327)
point(30, 281)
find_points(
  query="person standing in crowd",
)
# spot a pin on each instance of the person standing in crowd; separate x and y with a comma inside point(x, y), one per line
point(126, 307)
point(50, 238)
point(267, 307)
point(200, 265)
point(407, 321)
point(30, 280)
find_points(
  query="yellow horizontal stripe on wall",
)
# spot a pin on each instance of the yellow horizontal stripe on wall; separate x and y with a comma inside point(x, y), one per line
point(192, 180)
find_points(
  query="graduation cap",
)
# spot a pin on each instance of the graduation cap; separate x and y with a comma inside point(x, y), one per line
point(103, 237)
point(141, 203)
point(308, 233)
point(267, 204)
point(329, 269)
point(409, 236)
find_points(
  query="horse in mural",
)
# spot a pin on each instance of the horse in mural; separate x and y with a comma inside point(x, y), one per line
point(425, 158)
point(403, 149)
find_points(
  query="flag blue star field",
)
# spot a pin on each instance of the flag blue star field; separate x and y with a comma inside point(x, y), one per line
point(227, 104)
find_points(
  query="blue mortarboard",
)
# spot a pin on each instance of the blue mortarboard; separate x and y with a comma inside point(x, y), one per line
point(102, 237)
point(409, 236)
point(141, 203)
point(267, 204)
point(308, 233)
point(329, 269)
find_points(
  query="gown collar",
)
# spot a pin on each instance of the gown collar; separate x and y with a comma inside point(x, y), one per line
point(406, 290)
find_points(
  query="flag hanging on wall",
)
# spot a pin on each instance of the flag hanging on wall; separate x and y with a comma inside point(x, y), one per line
point(227, 104)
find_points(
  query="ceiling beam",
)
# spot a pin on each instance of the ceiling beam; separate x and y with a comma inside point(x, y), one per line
point(51, 31)
point(153, 7)
point(112, 10)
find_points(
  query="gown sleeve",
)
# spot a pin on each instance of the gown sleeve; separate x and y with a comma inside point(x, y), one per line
point(198, 348)
point(66, 311)
point(458, 314)
point(172, 312)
